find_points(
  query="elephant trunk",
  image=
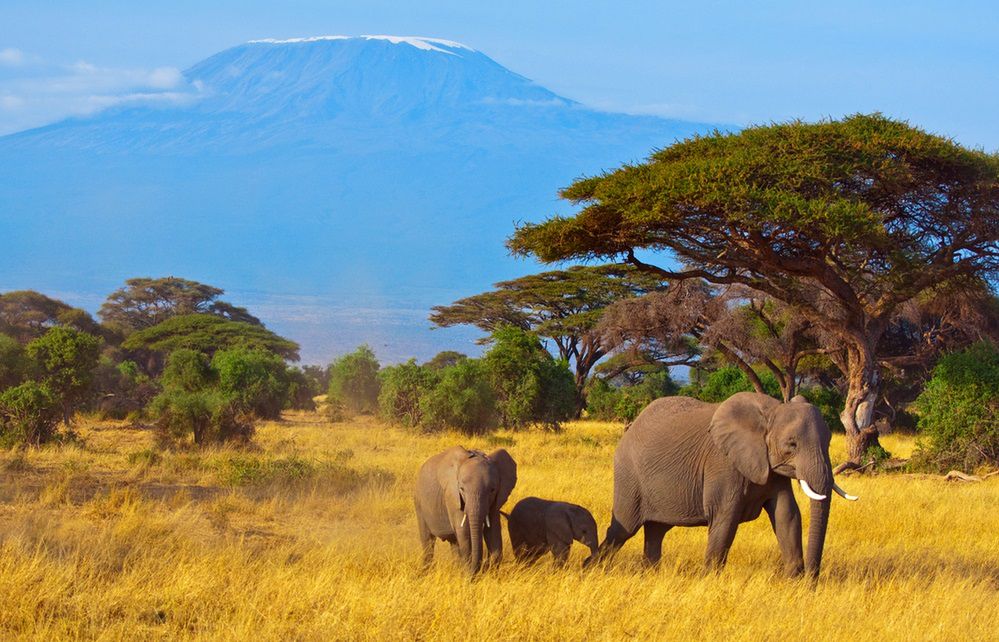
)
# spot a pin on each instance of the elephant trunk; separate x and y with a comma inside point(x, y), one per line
point(821, 481)
point(475, 517)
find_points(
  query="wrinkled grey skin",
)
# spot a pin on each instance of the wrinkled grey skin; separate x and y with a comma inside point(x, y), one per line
point(539, 526)
point(467, 486)
point(684, 462)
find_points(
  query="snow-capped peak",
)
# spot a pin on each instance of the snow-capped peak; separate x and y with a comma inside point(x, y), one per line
point(426, 44)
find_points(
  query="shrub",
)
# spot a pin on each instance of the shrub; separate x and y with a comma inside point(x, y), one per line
point(13, 365)
point(354, 381)
point(255, 379)
point(623, 403)
point(205, 415)
point(66, 359)
point(28, 414)
point(530, 386)
point(187, 370)
point(123, 389)
point(959, 411)
point(728, 380)
point(462, 400)
point(829, 401)
point(402, 387)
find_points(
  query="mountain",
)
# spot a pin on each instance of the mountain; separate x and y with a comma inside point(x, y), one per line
point(338, 186)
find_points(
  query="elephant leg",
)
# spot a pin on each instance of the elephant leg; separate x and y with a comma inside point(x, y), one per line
point(561, 553)
point(455, 550)
point(654, 533)
point(721, 532)
point(426, 542)
point(785, 518)
point(494, 540)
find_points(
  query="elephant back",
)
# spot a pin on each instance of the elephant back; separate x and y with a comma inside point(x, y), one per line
point(662, 413)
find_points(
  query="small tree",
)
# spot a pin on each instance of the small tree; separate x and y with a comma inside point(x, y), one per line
point(66, 359)
point(256, 379)
point(461, 400)
point(959, 411)
point(530, 386)
point(402, 388)
point(28, 414)
point(354, 381)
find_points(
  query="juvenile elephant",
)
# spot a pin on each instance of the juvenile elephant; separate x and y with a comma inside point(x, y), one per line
point(684, 462)
point(538, 526)
point(458, 498)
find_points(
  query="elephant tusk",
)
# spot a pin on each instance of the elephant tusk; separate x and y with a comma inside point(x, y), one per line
point(842, 493)
point(463, 518)
point(808, 491)
point(487, 521)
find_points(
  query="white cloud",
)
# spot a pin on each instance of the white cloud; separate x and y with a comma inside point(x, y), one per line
point(11, 57)
point(41, 93)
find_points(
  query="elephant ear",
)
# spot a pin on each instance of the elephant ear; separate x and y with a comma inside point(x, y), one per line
point(558, 527)
point(507, 469)
point(738, 428)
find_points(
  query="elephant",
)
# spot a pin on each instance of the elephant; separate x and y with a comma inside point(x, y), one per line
point(458, 498)
point(539, 526)
point(684, 462)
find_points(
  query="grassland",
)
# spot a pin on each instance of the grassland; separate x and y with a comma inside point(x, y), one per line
point(310, 535)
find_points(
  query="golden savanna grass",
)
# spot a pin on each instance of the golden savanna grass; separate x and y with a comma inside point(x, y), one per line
point(310, 534)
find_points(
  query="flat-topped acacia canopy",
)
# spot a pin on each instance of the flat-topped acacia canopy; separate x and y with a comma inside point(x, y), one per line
point(845, 220)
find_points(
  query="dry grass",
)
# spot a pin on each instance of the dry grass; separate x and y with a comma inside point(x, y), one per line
point(310, 535)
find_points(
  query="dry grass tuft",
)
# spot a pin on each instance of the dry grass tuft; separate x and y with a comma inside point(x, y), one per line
point(310, 535)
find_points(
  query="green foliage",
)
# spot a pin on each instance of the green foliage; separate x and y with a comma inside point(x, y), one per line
point(445, 359)
point(13, 363)
point(402, 387)
point(122, 388)
point(530, 386)
point(256, 379)
point(829, 401)
point(207, 333)
point(959, 411)
point(354, 381)
point(66, 359)
point(623, 403)
point(192, 403)
point(728, 380)
point(28, 414)
point(462, 400)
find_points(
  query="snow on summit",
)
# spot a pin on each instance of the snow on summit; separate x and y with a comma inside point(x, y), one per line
point(420, 42)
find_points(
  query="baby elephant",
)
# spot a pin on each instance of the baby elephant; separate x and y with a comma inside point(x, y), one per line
point(538, 526)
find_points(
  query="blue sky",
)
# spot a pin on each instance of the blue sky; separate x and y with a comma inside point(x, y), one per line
point(932, 63)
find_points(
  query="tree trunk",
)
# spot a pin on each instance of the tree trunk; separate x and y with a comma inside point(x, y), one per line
point(858, 414)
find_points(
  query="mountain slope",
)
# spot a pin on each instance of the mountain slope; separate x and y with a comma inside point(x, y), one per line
point(340, 185)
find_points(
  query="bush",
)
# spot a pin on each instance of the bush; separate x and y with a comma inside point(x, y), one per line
point(13, 365)
point(623, 403)
point(728, 380)
point(205, 415)
point(402, 387)
point(255, 379)
point(28, 414)
point(829, 401)
point(530, 386)
point(462, 400)
point(354, 381)
point(66, 359)
point(194, 404)
point(959, 411)
point(123, 389)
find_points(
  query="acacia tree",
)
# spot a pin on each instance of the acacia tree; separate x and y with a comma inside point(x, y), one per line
point(562, 305)
point(27, 315)
point(844, 220)
point(145, 302)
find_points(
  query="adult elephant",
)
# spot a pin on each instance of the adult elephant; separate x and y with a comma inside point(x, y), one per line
point(458, 498)
point(683, 462)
